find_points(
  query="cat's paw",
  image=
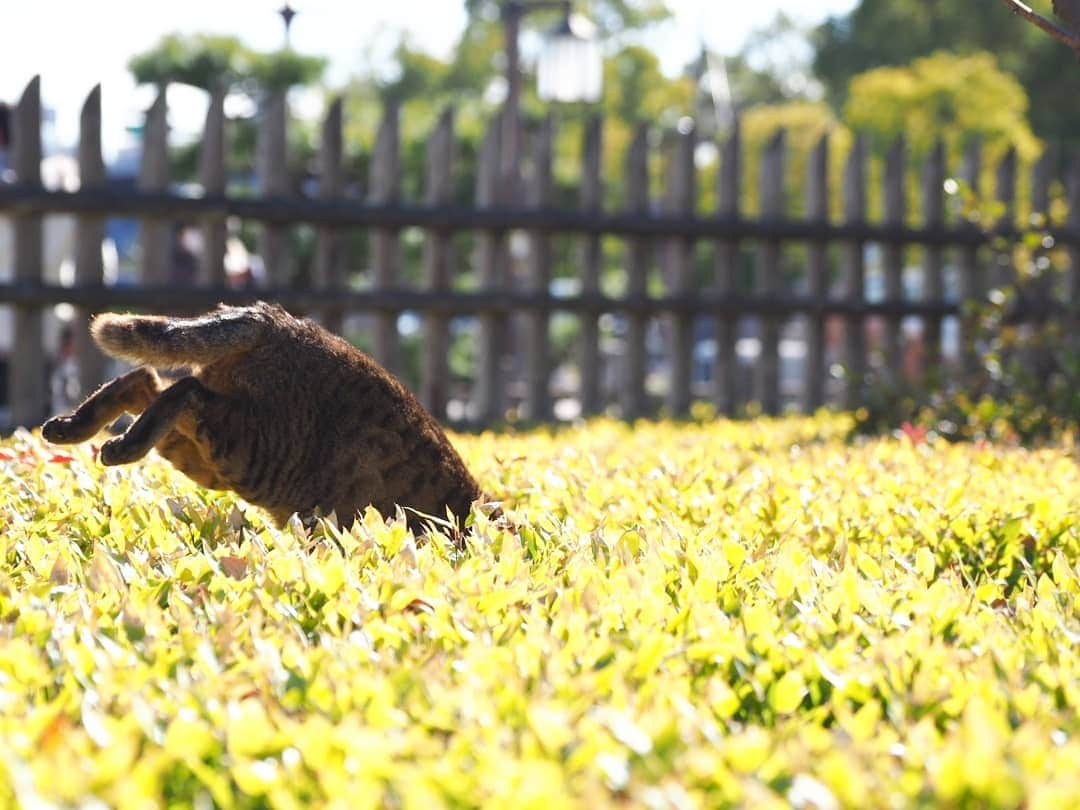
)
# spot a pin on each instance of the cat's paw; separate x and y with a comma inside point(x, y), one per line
point(117, 451)
point(59, 430)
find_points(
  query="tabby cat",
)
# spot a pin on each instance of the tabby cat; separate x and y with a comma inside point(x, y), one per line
point(286, 414)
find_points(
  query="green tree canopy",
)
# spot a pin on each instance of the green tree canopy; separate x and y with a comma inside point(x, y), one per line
point(946, 96)
point(211, 62)
point(894, 32)
point(200, 60)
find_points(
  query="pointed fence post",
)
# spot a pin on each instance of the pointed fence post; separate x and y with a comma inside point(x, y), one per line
point(638, 252)
point(273, 172)
point(329, 250)
point(591, 261)
point(681, 198)
point(933, 206)
point(212, 178)
point(893, 257)
point(537, 344)
point(155, 236)
point(27, 376)
point(767, 275)
point(854, 272)
point(438, 257)
point(971, 287)
point(489, 396)
point(385, 187)
point(817, 274)
point(725, 282)
point(89, 234)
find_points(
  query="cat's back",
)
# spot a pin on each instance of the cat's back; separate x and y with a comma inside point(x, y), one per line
point(309, 382)
point(292, 357)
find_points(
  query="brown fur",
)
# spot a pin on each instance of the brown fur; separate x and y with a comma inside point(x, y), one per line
point(277, 409)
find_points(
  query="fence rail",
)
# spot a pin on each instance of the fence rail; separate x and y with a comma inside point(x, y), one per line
point(692, 279)
point(22, 201)
point(177, 299)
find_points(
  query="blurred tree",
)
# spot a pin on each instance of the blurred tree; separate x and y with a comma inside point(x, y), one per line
point(943, 96)
point(774, 65)
point(635, 92)
point(280, 70)
point(200, 60)
point(417, 75)
point(894, 32)
point(612, 17)
point(805, 122)
point(635, 89)
point(210, 61)
point(751, 86)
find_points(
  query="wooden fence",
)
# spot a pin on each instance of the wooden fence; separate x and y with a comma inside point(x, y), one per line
point(512, 307)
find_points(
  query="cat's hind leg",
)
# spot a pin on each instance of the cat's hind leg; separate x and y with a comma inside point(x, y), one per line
point(132, 392)
point(188, 457)
point(180, 401)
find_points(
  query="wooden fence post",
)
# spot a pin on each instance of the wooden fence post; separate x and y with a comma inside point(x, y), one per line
point(435, 379)
point(89, 234)
point(634, 401)
point(854, 271)
point(212, 176)
point(725, 365)
point(329, 250)
point(537, 345)
point(591, 261)
point(1041, 177)
point(385, 185)
point(273, 172)
point(1072, 286)
point(155, 238)
point(971, 286)
point(893, 254)
point(27, 367)
point(933, 205)
point(817, 274)
point(489, 395)
point(767, 275)
point(1005, 191)
point(681, 198)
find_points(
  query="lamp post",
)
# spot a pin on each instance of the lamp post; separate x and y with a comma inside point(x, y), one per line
point(287, 13)
point(570, 69)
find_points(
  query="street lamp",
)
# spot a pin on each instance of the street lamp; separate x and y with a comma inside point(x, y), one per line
point(570, 68)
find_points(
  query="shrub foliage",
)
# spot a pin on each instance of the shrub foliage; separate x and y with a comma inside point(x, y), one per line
point(691, 615)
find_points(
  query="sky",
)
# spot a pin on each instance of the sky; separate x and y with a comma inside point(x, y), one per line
point(73, 44)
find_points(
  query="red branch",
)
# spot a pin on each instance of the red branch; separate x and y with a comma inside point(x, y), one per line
point(1058, 33)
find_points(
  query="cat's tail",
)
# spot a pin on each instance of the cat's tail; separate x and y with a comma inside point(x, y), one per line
point(174, 342)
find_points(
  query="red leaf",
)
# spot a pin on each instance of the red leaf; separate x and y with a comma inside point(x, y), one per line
point(916, 434)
